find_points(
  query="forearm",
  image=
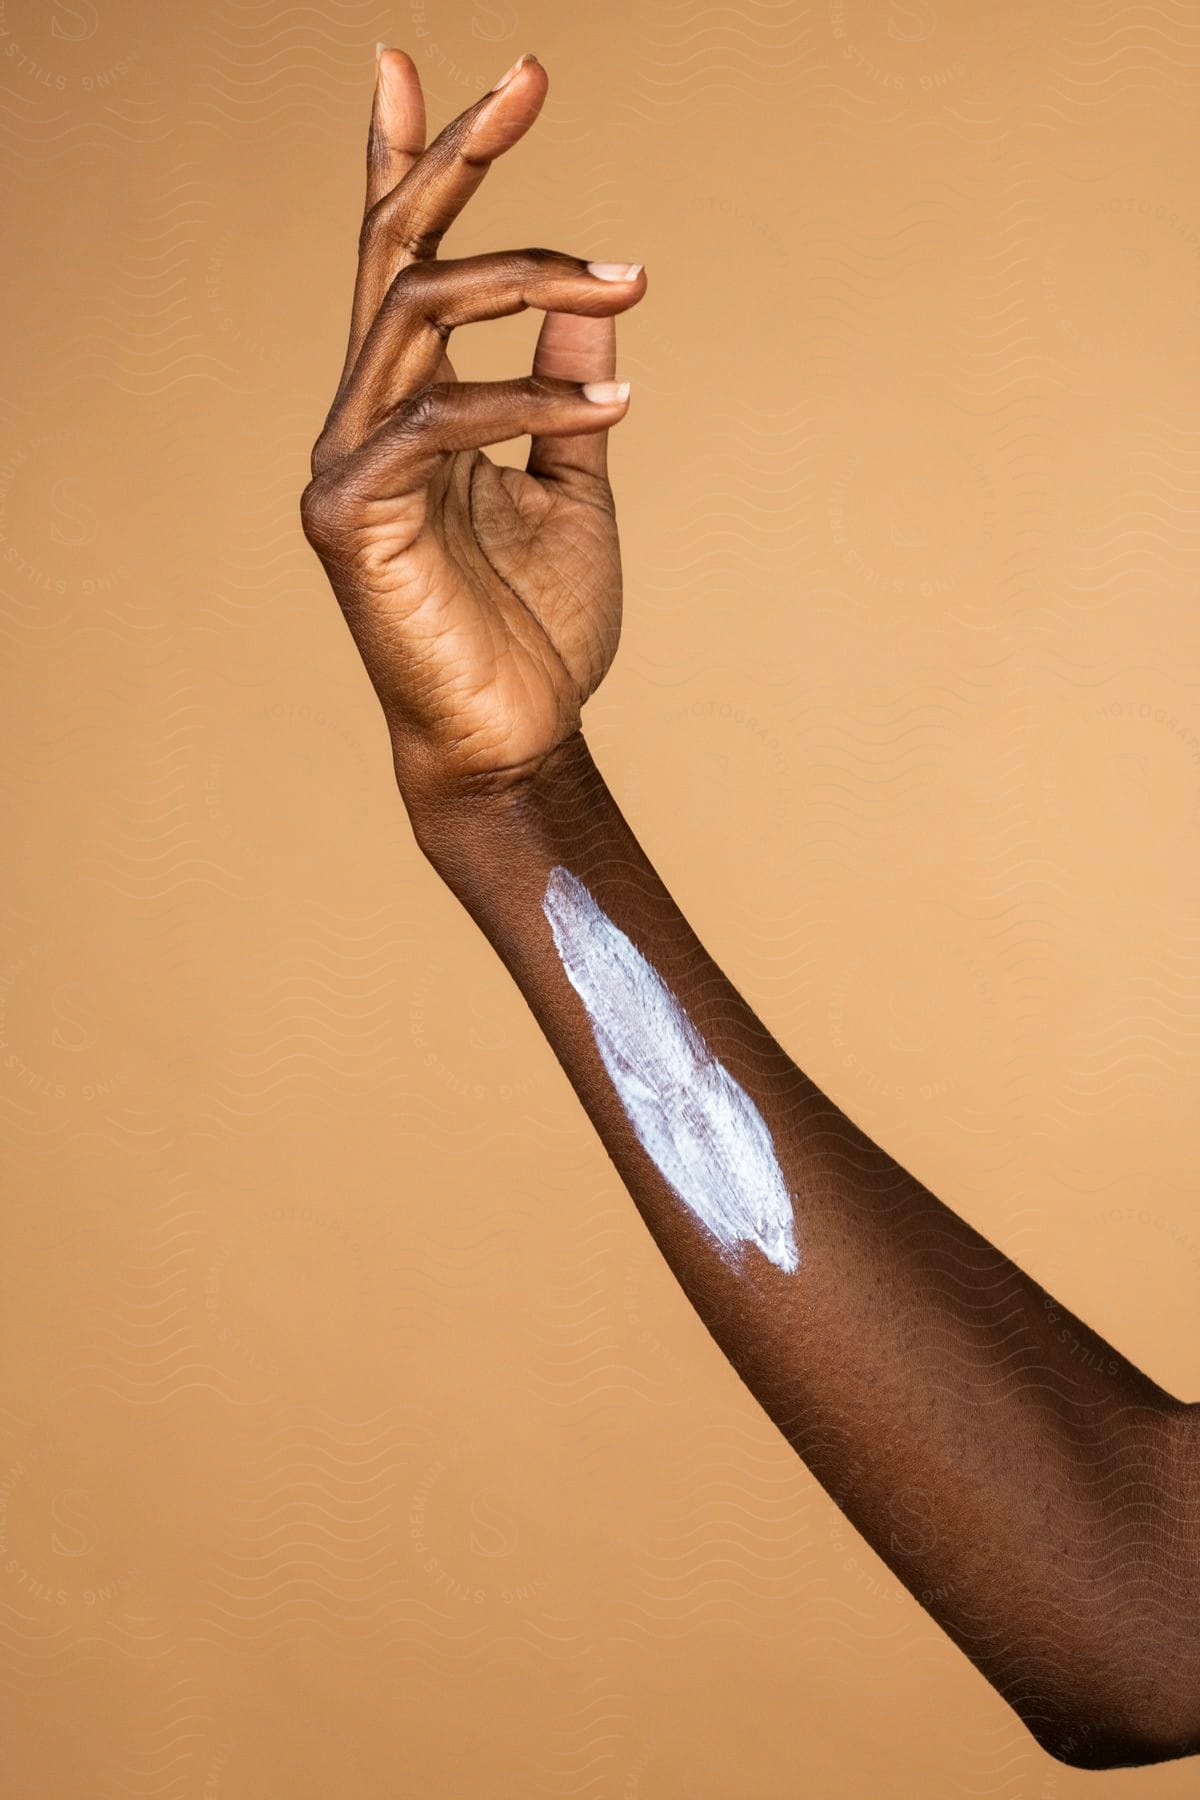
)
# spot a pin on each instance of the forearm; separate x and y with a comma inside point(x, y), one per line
point(1026, 1484)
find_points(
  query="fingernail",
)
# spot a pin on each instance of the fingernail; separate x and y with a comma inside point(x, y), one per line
point(615, 271)
point(379, 50)
point(519, 64)
point(605, 392)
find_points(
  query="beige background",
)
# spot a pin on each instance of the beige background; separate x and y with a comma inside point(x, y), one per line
point(355, 1440)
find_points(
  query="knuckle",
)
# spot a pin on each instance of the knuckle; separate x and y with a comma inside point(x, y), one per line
point(538, 253)
point(424, 290)
point(384, 224)
point(368, 234)
point(320, 513)
point(323, 452)
point(419, 242)
point(405, 282)
point(412, 288)
point(421, 412)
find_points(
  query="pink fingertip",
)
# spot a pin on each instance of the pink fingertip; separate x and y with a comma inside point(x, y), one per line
point(509, 73)
point(612, 271)
point(605, 393)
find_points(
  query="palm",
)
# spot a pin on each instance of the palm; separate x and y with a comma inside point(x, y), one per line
point(509, 598)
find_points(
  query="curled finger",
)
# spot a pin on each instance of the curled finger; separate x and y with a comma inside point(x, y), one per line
point(466, 415)
point(427, 301)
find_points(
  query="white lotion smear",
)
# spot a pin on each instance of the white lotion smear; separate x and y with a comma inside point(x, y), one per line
point(694, 1121)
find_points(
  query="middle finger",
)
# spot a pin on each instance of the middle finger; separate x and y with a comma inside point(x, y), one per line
point(426, 301)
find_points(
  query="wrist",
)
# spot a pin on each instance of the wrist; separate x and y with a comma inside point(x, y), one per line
point(488, 827)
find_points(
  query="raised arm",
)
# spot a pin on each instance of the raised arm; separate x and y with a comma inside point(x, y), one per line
point(1039, 1496)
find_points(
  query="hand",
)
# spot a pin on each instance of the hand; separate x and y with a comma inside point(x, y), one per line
point(485, 600)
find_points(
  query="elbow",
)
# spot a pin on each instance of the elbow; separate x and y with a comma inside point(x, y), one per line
point(1123, 1736)
point(1127, 1694)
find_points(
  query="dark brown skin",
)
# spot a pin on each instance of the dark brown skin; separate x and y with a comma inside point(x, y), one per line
point(1038, 1495)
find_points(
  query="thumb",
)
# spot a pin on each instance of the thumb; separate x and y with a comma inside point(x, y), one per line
point(573, 347)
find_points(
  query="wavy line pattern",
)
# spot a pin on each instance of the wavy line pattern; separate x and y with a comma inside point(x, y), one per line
point(357, 1439)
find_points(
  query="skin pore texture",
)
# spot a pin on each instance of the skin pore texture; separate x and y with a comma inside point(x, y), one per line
point(702, 1131)
point(1037, 1494)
